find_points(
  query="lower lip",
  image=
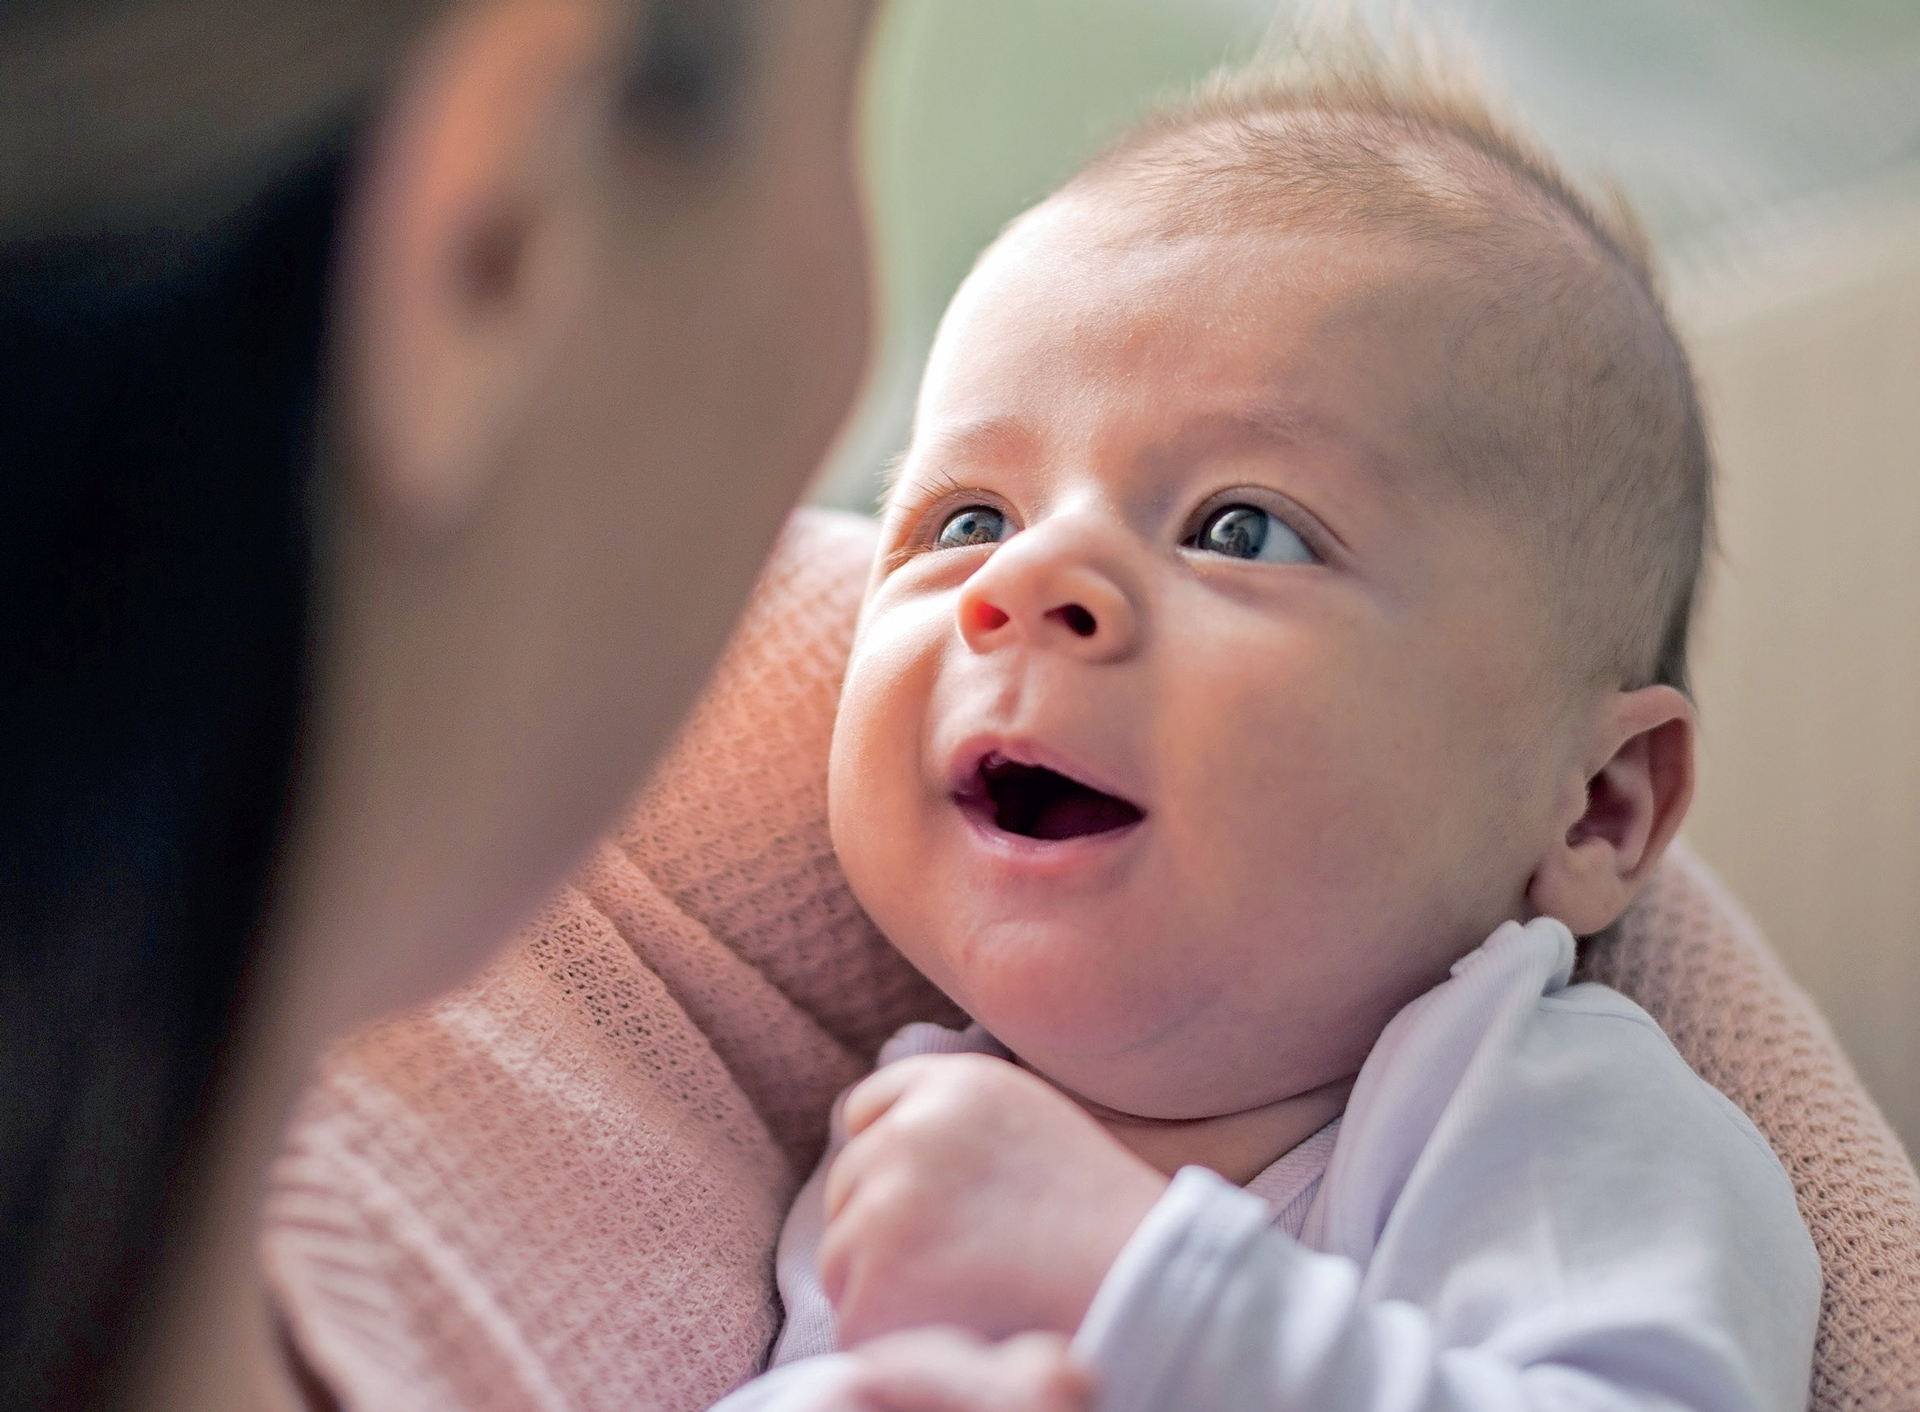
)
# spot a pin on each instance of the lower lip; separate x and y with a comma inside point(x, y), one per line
point(1042, 855)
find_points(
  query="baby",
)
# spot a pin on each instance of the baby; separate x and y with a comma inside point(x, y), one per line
point(1275, 658)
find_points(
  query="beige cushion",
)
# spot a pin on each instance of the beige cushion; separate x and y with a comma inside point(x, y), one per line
point(560, 1187)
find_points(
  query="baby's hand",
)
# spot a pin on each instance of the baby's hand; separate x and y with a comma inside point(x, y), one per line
point(948, 1370)
point(927, 1370)
point(972, 1194)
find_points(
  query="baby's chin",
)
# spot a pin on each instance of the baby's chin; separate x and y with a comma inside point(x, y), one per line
point(1154, 1080)
point(1062, 1005)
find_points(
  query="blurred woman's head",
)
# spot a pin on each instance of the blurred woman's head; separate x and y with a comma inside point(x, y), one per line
point(566, 297)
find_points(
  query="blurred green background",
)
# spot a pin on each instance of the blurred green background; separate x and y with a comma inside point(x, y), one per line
point(1714, 115)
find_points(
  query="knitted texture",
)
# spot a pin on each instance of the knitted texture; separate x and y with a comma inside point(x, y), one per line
point(561, 1186)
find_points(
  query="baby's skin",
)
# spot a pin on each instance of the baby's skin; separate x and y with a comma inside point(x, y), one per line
point(1199, 718)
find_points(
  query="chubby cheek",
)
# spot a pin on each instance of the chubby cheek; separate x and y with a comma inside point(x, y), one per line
point(1318, 817)
point(1296, 791)
point(879, 799)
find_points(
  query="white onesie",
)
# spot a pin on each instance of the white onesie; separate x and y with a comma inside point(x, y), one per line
point(1530, 1203)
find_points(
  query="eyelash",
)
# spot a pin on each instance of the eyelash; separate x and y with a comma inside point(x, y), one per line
point(1317, 540)
point(926, 507)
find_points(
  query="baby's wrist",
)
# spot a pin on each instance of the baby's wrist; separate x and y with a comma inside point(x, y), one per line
point(1128, 1204)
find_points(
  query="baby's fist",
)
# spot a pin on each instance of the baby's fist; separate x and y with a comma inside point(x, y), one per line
point(927, 1370)
point(973, 1194)
point(947, 1370)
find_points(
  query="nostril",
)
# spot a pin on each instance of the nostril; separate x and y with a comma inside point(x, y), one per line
point(1078, 620)
point(986, 617)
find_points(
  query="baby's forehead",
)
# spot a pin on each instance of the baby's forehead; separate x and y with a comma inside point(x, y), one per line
point(1192, 340)
point(1497, 283)
point(1109, 258)
point(1440, 207)
point(1115, 229)
point(1082, 275)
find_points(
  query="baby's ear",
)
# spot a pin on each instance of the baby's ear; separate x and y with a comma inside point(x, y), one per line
point(1637, 772)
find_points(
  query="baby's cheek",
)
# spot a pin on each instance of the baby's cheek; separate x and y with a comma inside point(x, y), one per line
point(1304, 821)
point(873, 838)
point(1287, 791)
point(880, 717)
point(870, 771)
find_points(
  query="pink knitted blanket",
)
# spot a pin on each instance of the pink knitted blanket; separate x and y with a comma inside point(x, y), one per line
point(560, 1187)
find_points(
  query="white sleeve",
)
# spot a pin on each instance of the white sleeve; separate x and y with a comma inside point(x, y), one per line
point(1210, 1307)
point(1533, 1204)
point(808, 1327)
point(798, 1387)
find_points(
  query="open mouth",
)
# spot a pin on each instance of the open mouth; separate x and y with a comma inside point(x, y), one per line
point(1035, 802)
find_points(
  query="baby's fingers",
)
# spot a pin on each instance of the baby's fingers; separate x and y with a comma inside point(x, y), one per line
point(868, 1101)
point(949, 1370)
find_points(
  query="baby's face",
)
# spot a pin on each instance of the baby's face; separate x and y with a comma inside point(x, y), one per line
point(1193, 722)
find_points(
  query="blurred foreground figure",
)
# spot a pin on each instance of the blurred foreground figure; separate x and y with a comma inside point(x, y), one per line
point(396, 400)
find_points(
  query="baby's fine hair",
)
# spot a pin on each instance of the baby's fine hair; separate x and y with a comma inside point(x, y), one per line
point(1571, 406)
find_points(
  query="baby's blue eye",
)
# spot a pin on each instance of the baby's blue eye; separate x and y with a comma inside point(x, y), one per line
point(977, 524)
point(1247, 532)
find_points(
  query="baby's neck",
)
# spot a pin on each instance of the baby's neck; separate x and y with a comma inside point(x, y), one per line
point(1239, 1146)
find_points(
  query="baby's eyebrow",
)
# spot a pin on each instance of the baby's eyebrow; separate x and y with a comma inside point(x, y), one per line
point(1288, 423)
point(1285, 423)
point(993, 441)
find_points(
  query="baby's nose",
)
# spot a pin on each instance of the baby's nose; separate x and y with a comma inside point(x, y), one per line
point(1050, 600)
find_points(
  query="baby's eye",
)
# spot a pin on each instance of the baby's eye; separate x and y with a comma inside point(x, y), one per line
point(1248, 532)
point(977, 524)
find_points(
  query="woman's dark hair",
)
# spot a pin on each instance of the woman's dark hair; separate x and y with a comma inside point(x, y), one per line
point(157, 416)
point(160, 378)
